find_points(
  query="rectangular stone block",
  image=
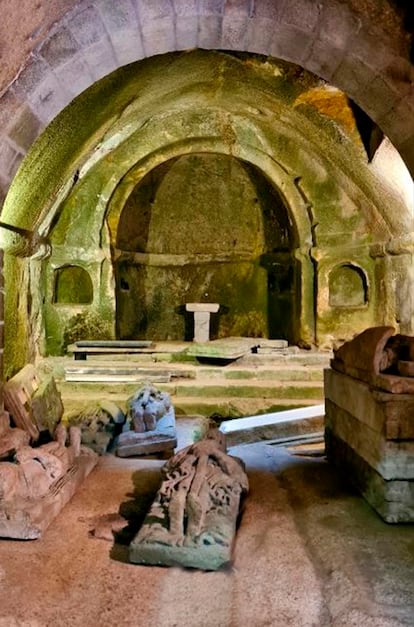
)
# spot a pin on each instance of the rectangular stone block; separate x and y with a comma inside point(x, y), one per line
point(209, 31)
point(117, 16)
point(400, 120)
point(237, 8)
point(76, 75)
point(324, 60)
point(391, 459)
point(211, 7)
point(8, 158)
point(291, 43)
point(388, 414)
point(189, 8)
point(10, 105)
point(59, 48)
point(87, 27)
point(269, 9)
point(49, 99)
point(127, 45)
point(25, 128)
point(333, 14)
point(382, 96)
point(150, 10)
point(234, 33)
point(354, 73)
point(34, 403)
point(202, 307)
point(100, 58)
point(303, 14)
point(259, 35)
point(158, 36)
point(186, 32)
point(35, 73)
point(132, 444)
point(393, 500)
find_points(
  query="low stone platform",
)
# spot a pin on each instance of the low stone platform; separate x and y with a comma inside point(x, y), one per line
point(370, 437)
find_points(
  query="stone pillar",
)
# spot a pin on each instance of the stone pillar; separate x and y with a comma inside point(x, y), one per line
point(202, 313)
point(4, 418)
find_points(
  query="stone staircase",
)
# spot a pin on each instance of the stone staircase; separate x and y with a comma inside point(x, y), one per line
point(253, 384)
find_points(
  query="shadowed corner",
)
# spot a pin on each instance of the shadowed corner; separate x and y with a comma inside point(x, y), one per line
point(146, 483)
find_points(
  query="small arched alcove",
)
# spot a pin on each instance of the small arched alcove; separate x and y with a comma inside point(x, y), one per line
point(72, 286)
point(348, 286)
point(204, 228)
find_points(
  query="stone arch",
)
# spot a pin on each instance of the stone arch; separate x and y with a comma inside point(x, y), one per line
point(332, 39)
point(295, 201)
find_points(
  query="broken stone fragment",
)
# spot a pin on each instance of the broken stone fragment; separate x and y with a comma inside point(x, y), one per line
point(12, 441)
point(98, 425)
point(150, 426)
point(34, 403)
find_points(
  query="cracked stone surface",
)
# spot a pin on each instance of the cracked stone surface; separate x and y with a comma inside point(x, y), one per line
point(309, 552)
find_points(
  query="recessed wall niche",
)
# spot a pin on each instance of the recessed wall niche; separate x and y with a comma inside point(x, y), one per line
point(348, 286)
point(72, 286)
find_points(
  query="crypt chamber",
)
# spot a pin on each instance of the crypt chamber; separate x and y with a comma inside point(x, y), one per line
point(207, 176)
point(206, 313)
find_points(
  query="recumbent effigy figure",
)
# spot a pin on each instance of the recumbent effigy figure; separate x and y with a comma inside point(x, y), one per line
point(193, 519)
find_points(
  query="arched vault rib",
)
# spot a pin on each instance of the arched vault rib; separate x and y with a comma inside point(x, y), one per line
point(333, 39)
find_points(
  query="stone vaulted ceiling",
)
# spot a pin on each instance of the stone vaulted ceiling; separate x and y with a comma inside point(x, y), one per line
point(52, 51)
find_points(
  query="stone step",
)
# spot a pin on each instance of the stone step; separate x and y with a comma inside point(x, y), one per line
point(207, 388)
point(125, 371)
point(292, 355)
point(221, 407)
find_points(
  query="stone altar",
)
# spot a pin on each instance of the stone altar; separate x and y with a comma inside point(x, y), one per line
point(369, 420)
point(192, 521)
point(150, 426)
point(202, 312)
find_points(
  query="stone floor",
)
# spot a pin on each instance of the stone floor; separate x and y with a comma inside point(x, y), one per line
point(309, 552)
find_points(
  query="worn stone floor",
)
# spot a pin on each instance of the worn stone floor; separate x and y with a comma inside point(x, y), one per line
point(309, 552)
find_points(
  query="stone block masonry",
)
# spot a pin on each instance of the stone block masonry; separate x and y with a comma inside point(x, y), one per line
point(369, 436)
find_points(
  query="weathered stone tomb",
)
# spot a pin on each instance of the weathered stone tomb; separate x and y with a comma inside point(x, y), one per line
point(369, 420)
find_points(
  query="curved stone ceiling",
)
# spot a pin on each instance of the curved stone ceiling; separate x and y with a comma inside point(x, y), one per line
point(258, 110)
point(363, 50)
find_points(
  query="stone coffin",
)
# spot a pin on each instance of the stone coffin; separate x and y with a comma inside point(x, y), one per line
point(370, 436)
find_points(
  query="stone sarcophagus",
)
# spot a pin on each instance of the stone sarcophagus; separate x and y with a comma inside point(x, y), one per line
point(192, 521)
point(37, 480)
point(369, 419)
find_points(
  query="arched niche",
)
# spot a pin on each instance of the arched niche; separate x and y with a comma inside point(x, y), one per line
point(348, 286)
point(205, 227)
point(72, 286)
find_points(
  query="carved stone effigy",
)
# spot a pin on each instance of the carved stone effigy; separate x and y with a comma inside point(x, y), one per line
point(36, 482)
point(192, 521)
point(150, 426)
point(369, 419)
